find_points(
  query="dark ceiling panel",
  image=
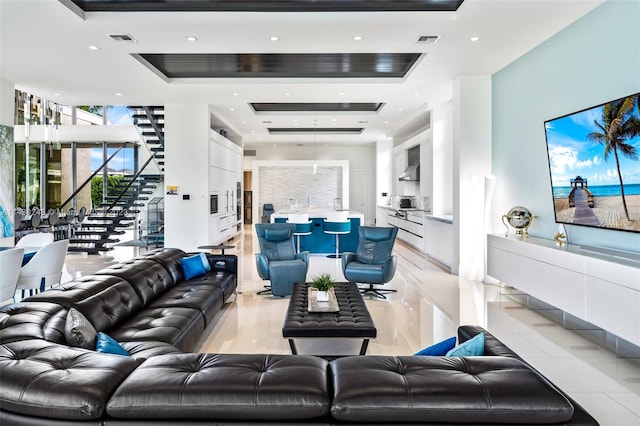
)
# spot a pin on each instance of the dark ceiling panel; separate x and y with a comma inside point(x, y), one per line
point(281, 65)
point(294, 130)
point(316, 106)
point(267, 5)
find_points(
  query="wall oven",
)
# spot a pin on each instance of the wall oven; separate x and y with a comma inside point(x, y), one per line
point(213, 203)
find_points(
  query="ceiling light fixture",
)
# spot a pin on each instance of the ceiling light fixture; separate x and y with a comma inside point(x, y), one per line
point(341, 94)
point(287, 94)
point(274, 38)
point(357, 38)
point(118, 94)
point(474, 38)
point(232, 109)
point(192, 38)
point(235, 93)
point(94, 47)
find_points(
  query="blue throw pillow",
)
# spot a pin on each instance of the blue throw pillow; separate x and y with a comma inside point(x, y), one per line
point(472, 347)
point(440, 348)
point(205, 262)
point(107, 345)
point(192, 266)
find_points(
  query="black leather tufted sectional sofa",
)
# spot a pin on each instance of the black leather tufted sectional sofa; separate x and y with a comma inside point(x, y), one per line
point(157, 316)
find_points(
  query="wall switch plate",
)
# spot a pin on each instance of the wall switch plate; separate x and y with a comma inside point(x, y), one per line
point(186, 196)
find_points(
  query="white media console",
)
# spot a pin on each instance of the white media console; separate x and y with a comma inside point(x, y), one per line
point(599, 286)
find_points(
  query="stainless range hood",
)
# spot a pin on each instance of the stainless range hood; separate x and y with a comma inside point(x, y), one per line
point(411, 173)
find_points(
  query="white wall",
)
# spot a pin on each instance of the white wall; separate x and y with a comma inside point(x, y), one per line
point(595, 60)
point(442, 159)
point(186, 137)
point(471, 158)
point(7, 163)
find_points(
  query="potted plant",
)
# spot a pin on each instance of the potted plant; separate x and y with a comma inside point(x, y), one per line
point(323, 283)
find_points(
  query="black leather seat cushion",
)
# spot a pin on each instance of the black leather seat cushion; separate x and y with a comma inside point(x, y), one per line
point(45, 379)
point(234, 387)
point(111, 306)
point(180, 327)
point(69, 294)
point(353, 319)
point(148, 278)
point(169, 258)
point(33, 320)
point(467, 390)
point(225, 281)
point(147, 349)
point(206, 298)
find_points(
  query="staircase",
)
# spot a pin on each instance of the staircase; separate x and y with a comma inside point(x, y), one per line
point(120, 208)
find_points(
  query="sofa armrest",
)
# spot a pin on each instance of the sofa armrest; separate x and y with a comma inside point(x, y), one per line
point(223, 262)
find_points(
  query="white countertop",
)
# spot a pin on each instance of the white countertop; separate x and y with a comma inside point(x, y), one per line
point(446, 218)
point(314, 213)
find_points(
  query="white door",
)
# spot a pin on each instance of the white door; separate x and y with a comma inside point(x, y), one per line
point(358, 193)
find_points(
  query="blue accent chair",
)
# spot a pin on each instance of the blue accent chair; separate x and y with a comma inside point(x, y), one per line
point(373, 262)
point(278, 261)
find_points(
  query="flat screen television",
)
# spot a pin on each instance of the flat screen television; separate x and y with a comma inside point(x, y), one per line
point(594, 163)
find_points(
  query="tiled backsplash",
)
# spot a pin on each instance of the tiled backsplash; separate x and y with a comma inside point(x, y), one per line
point(279, 184)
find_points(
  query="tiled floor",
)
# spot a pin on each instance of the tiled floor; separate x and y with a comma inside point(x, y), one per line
point(428, 307)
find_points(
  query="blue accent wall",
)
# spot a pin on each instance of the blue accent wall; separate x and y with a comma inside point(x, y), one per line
point(594, 60)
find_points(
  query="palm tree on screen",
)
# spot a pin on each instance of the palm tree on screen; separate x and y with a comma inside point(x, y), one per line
point(620, 122)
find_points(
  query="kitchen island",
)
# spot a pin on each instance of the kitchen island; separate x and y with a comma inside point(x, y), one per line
point(318, 241)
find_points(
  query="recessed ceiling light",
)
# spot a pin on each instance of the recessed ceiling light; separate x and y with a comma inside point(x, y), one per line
point(416, 93)
point(118, 94)
point(287, 94)
point(232, 109)
point(400, 109)
point(275, 144)
point(341, 94)
point(56, 94)
point(386, 121)
point(295, 119)
point(475, 38)
point(235, 93)
point(357, 38)
point(274, 38)
point(192, 38)
point(244, 122)
point(94, 47)
point(253, 131)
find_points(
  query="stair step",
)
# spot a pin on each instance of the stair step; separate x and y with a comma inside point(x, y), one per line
point(159, 157)
point(111, 218)
point(94, 240)
point(157, 115)
point(89, 250)
point(156, 149)
point(99, 233)
point(152, 133)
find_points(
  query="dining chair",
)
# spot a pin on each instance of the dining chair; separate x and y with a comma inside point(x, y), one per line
point(36, 239)
point(337, 223)
point(10, 263)
point(44, 269)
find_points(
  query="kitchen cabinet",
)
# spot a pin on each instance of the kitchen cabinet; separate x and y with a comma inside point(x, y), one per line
point(410, 230)
point(225, 177)
point(439, 240)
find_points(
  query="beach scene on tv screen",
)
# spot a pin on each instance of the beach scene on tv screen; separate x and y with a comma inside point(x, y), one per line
point(594, 162)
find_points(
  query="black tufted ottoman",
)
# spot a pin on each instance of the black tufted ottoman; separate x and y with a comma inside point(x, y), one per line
point(351, 321)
